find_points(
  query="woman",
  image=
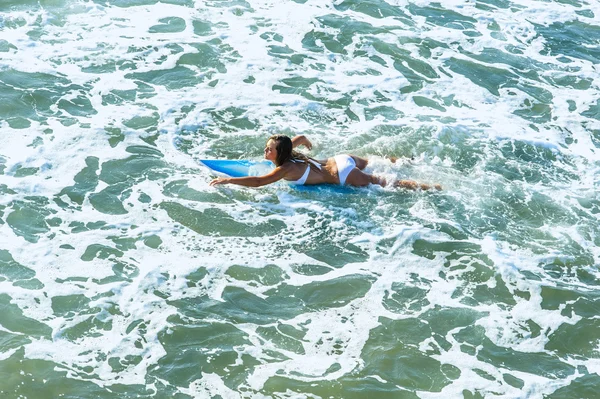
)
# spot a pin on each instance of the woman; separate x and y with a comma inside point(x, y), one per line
point(298, 169)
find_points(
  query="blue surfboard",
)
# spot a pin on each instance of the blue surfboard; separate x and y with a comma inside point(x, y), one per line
point(239, 167)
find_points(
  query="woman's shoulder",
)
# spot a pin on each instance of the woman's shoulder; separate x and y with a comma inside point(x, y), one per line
point(288, 166)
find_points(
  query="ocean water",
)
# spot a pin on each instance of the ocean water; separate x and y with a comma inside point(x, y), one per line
point(123, 274)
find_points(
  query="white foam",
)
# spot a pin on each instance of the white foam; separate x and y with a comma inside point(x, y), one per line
point(96, 35)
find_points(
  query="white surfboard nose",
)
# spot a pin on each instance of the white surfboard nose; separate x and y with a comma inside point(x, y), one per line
point(238, 167)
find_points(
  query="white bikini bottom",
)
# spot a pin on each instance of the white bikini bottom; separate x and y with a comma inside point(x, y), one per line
point(345, 165)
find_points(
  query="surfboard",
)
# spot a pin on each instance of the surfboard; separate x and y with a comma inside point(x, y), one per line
point(238, 167)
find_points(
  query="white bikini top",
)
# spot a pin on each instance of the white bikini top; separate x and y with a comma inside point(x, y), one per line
point(302, 180)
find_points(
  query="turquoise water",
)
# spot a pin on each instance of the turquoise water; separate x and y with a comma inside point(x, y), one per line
point(124, 274)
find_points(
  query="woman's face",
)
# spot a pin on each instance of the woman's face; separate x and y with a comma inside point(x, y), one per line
point(271, 151)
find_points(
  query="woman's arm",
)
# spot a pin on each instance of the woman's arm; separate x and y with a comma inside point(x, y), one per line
point(301, 140)
point(252, 181)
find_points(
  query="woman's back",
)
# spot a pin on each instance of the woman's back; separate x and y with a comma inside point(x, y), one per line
point(311, 171)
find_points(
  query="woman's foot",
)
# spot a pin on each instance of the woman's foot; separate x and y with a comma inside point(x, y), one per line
point(394, 159)
point(378, 180)
point(413, 185)
point(409, 184)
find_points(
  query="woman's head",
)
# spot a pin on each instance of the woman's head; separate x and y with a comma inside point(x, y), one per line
point(279, 149)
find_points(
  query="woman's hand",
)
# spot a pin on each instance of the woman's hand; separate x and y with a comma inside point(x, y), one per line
point(301, 140)
point(307, 143)
point(219, 180)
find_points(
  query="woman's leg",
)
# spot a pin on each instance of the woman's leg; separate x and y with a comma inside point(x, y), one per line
point(359, 178)
point(361, 163)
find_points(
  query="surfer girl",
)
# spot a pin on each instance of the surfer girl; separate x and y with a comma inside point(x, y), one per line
point(296, 168)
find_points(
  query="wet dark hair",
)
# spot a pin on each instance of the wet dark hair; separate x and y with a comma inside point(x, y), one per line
point(285, 150)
